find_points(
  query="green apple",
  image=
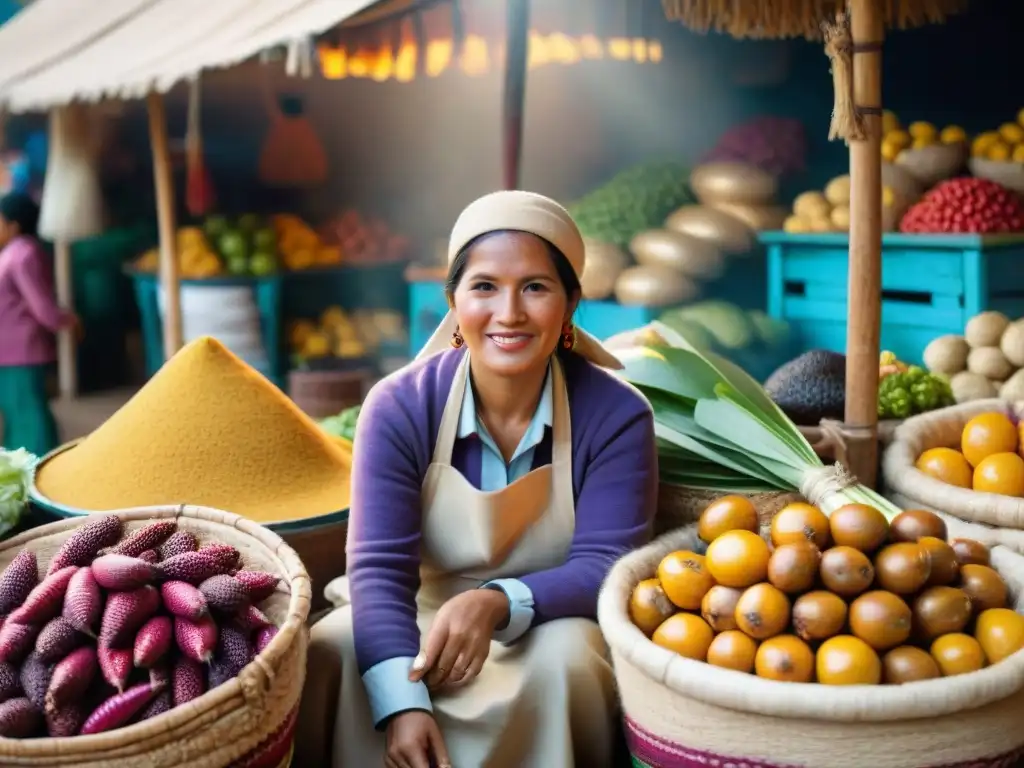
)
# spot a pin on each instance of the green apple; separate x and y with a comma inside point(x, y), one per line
point(263, 263)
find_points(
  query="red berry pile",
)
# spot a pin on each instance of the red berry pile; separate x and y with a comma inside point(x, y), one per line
point(966, 204)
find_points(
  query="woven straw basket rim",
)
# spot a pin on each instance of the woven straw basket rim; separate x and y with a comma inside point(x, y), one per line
point(936, 429)
point(246, 691)
point(748, 693)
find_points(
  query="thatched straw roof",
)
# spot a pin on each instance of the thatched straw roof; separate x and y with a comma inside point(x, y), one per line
point(796, 18)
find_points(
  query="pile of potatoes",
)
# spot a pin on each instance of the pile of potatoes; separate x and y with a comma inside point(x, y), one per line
point(829, 211)
point(987, 361)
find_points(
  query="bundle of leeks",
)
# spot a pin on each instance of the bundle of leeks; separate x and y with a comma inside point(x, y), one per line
point(718, 430)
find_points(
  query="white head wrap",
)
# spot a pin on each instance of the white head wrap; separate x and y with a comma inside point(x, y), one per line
point(522, 212)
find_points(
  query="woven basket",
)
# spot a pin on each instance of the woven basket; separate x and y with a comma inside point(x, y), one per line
point(245, 723)
point(995, 519)
point(682, 713)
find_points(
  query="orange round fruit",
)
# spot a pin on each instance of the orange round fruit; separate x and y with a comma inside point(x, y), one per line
point(1000, 632)
point(858, 526)
point(969, 551)
point(846, 571)
point(880, 619)
point(785, 658)
point(793, 568)
point(985, 435)
point(685, 578)
point(729, 513)
point(902, 568)
point(907, 664)
point(738, 559)
point(848, 660)
point(912, 524)
point(957, 654)
point(984, 586)
point(718, 608)
point(649, 606)
point(940, 611)
point(733, 650)
point(686, 634)
point(946, 465)
point(800, 521)
point(762, 611)
point(1001, 473)
point(818, 615)
point(944, 567)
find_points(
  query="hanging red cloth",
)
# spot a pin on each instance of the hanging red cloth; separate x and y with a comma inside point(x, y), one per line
point(199, 194)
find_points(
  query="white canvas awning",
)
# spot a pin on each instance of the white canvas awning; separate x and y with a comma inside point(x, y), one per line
point(58, 51)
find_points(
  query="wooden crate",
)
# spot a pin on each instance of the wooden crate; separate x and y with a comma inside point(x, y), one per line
point(931, 285)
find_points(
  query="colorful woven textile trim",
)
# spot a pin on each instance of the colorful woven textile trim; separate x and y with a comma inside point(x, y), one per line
point(276, 749)
point(650, 751)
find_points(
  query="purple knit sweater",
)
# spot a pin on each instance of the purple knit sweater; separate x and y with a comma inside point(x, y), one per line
point(615, 482)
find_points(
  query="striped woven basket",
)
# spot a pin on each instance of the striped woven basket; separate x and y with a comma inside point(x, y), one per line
point(682, 713)
point(248, 722)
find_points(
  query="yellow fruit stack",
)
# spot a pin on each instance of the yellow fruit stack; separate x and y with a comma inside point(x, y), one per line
point(334, 336)
point(844, 599)
point(989, 459)
point(827, 211)
point(196, 259)
point(1003, 144)
point(917, 135)
point(300, 246)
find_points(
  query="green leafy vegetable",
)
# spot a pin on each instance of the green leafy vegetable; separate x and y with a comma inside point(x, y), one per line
point(915, 390)
point(343, 424)
point(718, 430)
point(17, 468)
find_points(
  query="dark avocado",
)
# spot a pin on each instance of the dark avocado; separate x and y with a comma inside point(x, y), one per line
point(811, 387)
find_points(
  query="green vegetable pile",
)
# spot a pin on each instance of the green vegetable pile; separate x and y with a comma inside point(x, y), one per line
point(638, 198)
point(905, 393)
point(343, 424)
point(17, 469)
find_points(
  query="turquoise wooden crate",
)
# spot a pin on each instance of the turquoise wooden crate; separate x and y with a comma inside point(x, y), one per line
point(931, 285)
point(744, 284)
point(268, 301)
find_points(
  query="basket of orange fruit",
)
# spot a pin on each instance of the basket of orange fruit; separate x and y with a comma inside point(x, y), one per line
point(966, 461)
point(838, 641)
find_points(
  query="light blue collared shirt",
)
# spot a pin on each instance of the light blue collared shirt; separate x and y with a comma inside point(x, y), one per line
point(387, 683)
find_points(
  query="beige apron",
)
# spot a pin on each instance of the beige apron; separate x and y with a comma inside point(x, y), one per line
point(546, 701)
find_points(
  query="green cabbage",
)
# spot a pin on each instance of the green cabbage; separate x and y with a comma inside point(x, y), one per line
point(17, 468)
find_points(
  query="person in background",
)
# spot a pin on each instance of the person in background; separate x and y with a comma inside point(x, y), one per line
point(496, 480)
point(29, 317)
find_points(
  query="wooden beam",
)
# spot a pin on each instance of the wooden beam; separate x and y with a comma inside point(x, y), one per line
point(514, 97)
point(165, 210)
point(865, 271)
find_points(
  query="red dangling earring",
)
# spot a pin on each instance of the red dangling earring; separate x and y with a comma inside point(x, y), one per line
point(457, 340)
point(568, 336)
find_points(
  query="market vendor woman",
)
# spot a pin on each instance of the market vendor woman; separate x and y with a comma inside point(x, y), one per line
point(496, 479)
point(29, 316)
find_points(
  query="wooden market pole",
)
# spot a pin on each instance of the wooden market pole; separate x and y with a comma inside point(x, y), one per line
point(67, 344)
point(164, 183)
point(865, 259)
point(517, 35)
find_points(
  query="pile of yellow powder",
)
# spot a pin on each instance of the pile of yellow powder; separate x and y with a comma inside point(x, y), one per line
point(207, 429)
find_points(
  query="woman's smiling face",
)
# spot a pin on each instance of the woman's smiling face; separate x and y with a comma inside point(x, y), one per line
point(510, 303)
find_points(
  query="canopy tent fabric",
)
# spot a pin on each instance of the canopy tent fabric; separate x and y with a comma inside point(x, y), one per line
point(58, 51)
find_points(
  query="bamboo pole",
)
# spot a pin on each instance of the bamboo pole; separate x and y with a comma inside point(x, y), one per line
point(514, 97)
point(67, 357)
point(865, 260)
point(164, 182)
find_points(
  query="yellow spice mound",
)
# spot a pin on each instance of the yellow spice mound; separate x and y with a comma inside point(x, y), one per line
point(207, 429)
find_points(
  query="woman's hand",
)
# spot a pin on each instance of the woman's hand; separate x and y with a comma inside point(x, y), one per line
point(414, 741)
point(460, 638)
